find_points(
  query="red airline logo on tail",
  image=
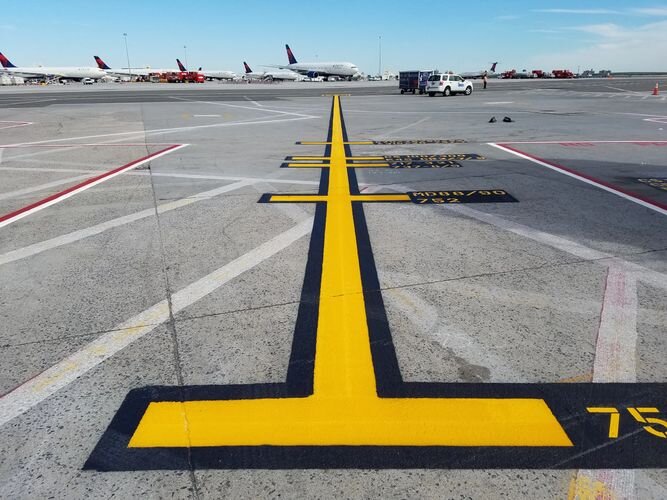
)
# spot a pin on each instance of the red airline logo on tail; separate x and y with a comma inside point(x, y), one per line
point(6, 63)
point(290, 55)
point(100, 63)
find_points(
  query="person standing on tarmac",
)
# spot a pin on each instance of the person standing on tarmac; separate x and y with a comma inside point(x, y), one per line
point(485, 78)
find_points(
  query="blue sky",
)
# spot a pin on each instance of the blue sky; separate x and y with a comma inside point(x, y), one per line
point(617, 35)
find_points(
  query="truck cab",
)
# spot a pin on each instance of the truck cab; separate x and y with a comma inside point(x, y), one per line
point(448, 84)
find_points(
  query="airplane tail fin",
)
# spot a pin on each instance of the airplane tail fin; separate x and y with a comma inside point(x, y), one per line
point(100, 63)
point(290, 55)
point(247, 68)
point(493, 67)
point(180, 65)
point(6, 63)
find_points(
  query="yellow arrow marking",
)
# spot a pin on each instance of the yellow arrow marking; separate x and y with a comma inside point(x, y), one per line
point(344, 408)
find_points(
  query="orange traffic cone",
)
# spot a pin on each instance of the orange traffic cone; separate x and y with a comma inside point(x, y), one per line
point(656, 90)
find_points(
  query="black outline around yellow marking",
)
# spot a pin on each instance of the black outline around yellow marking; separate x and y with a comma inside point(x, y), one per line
point(591, 448)
point(659, 183)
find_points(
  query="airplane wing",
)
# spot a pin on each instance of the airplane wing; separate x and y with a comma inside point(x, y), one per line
point(31, 74)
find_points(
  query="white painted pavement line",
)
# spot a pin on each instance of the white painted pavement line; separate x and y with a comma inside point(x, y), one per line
point(65, 239)
point(254, 102)
point(615, 354)
point(264, 109)
point(625, 90)
point(409, 125)
point(616, 346)
point(45, 150)
point(448, 333)
point(167, 130)
point(52, 200)
point(647, 275)
point(16, 124)
point(7, 104)
point(206, 116)
point(41, 187)
point(585, 180)
point(60, 375)
point(569, 141)
point(169, 174)
point(230, 178)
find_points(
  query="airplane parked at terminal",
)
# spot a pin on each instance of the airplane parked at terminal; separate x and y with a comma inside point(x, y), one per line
point(345, 70)
point(69, 72)
point(272, 75)
point(125, 72)
point(491, 73)
point(210, 74)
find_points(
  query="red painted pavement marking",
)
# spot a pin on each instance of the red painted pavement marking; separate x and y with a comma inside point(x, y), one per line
point(77, 145)
point(589, 179)
point(637, 142)
point(58, 197)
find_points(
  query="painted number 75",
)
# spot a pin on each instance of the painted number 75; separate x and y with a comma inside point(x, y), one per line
point(637, 414)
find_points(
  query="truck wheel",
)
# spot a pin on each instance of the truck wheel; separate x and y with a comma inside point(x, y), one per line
point(468, 90)
point(447, 92)
point(402, 91)
point(431, 94)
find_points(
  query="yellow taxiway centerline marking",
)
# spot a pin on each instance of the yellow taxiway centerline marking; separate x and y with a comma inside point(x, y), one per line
point(345, 408)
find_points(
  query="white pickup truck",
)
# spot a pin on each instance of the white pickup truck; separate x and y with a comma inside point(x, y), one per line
point(448, 84)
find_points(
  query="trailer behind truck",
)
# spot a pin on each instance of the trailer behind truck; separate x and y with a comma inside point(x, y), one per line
point(413, 81)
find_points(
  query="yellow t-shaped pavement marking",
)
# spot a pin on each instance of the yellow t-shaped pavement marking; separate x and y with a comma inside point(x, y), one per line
point(345, 408)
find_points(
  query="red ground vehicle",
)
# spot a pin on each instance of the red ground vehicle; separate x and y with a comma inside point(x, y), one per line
point(508, 74)
point(538, 73)
point(563, 73)
point(183, 77)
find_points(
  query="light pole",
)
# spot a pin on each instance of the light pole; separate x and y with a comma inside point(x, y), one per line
point(380, 58)
point(185, 49)
point(127, 53)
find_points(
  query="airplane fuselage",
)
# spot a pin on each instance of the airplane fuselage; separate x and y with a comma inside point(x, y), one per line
point(275, 75)
point(138, 71)
point(73, 72)
point(218, 75)
point(342, 69)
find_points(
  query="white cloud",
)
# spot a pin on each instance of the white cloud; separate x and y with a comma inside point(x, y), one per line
point(578, 11)
point(650, 11)
point(614, 47)
point(657, 11)
point(507, 18)
point(608, 30)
